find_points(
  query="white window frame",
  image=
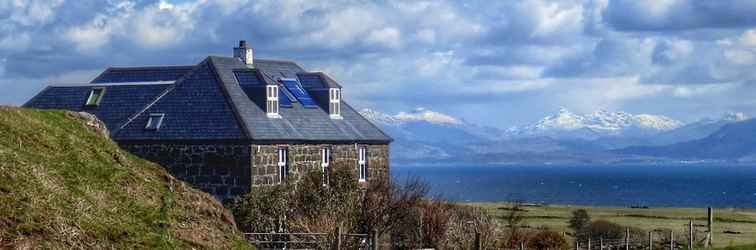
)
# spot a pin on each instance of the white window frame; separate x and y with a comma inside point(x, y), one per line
point(362, 163)
point(334, 103)
point(95, 102)
point(325, 162)
point(271, 104)
point(283, 166)
point(154, 117)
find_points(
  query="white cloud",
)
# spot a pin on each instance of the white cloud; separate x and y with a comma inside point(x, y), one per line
point(555, 18)
point(91, 36)
point(346, 27)
point(32, 12)
point(388, 37)
point(163, 25)
point(702, 90)
point(740, 56)
point(749, 38)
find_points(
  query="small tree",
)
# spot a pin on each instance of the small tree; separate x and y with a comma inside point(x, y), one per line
point(514, 219)
point(579, 221)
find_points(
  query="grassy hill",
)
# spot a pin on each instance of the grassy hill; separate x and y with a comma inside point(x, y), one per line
point(65, 185)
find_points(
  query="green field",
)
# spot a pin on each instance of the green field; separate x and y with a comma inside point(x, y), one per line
point(555, 217)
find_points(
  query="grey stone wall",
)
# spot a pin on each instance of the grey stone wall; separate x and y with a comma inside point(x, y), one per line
point(222, 170)
point(307, 157)
point(229, 170)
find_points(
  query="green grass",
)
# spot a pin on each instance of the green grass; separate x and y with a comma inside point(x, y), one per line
point(64, 186)
point(742, 247)
point(736, 220)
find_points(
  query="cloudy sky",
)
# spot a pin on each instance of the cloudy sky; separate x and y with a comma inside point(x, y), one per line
point(498, 63)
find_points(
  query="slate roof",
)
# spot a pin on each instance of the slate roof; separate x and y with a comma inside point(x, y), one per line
point(142, 74)
point(207, 102)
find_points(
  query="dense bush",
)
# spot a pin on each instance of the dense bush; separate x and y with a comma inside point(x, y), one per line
point(608, 230)
point(548, 240)
point(307, 206)
point(384, 208)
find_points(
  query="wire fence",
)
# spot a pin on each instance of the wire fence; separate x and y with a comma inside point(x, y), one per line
point(309, 240)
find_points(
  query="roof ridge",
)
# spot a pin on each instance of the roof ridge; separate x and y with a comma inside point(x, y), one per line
point(229, 100)
point(152, 66)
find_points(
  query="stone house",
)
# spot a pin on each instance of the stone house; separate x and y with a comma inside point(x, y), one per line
point(228, 124)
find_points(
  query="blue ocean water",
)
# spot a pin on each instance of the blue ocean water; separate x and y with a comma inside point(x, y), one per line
point(653, 186)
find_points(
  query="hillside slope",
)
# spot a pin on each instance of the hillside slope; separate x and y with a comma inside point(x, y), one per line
point(736, 141)
point(65, 185)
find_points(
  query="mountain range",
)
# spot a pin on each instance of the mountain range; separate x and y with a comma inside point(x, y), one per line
point(425, 136)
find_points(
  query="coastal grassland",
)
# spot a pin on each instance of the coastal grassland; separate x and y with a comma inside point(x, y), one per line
point(556, 218)
point(65, 185)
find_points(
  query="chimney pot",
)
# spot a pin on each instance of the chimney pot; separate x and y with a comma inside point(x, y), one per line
point(244, 53)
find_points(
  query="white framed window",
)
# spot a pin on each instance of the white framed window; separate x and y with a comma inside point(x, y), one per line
point(271, 97)
point(362, 164)
point(154, 121)
point(283, 164)
point(325, 161)
point(95, 96)
point(334, 103)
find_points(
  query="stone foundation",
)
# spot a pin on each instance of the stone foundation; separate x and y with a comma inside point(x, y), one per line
point(229, 170)
point(222, 170)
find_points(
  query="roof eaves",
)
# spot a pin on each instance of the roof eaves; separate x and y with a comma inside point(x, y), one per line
point(329, 81)
point(30, 101)
point(388, 138)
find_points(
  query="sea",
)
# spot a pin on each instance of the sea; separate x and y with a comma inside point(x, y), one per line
point(595, 185)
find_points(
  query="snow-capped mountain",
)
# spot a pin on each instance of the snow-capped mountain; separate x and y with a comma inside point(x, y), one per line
point(698, 130)
point(419, 114)
point(566, 124)
point(423, 135)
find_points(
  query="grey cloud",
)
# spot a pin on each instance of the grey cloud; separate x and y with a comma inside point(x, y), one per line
point(634, 15)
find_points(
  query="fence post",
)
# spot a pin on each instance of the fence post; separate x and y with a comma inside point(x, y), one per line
point(376, 239)
point(577, 244)
point(338, 238)
point(671, 240)
point(522, 245)
point(690, 235)
point(627, 238)
point(601, 243)
point(589, 242)
point(710, 234)
point(477, 241)
point(650, 240)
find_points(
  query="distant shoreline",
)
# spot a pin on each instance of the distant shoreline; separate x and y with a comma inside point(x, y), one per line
point(577, 164)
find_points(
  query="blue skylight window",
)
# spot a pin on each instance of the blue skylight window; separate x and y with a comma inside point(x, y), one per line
point(154, 121)
point(283, 99)
point(95, 97)
point(296, 89)
point(247, 77)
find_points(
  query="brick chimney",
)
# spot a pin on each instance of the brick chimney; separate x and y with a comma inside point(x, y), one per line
point(244, 53)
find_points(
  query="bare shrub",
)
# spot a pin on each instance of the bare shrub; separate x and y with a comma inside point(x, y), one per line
point(514, 220)
point(464, 223)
